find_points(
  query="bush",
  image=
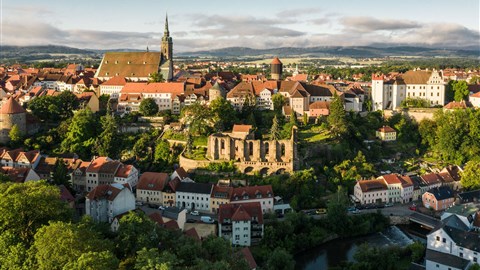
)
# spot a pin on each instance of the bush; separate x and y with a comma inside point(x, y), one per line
point(222, 167)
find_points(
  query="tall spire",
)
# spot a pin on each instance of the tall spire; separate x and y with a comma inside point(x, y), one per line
point(166, 32)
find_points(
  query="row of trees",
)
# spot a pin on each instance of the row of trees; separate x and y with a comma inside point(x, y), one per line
point(38, 232)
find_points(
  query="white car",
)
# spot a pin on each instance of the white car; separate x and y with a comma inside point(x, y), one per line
point(194, 213)
point(161, 207)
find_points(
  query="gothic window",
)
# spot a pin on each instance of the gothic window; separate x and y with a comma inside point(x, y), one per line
point(250, 148)
point(283, 149)
point(267, 150)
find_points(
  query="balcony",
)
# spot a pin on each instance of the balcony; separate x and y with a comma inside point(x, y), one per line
point(256, 235)
point(257, 227)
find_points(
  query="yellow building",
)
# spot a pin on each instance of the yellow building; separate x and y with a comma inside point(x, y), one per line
point(386, 134)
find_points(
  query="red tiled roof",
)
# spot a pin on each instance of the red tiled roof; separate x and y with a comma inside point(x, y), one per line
point(181, 173)
point(11, 106)
point(392, 179)
point(320, 105)
point(17, 175)
point(152, 181)
point(240, 211)
point(109, 192)
point(372, 185)
point(241, 128)
point(476, 222)
point(175, 88)
point(476, 95)
point(249, 258)
point(276, 61)
point(222, 192)
point(116, 80)
point(456, 105)
point(157, 218)
point(172, 225)
point(252, 192)
point(97, 164)
point(386, 129)
point(431, 178)
point(193, 234)
point(446, 177)
point(65, 195)
point(123, 171)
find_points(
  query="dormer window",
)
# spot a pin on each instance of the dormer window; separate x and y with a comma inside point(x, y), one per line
point(106, 73)
point(128, 62)
point(106, 62)
point(144, 62)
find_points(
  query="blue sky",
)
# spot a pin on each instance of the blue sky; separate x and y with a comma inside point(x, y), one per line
point(200, 25)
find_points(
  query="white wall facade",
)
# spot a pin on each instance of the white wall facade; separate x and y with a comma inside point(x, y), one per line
point(193, 201)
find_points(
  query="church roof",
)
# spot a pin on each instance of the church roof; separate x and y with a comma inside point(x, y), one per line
point(11, 106)
point(276, 61)
point(217, 86)
point(129, 64)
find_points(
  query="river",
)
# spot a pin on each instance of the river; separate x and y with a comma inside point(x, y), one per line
point(334, 252)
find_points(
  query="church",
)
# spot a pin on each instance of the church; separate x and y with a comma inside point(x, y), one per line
point(138, 66)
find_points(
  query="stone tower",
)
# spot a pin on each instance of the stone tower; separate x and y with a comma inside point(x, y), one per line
point(216, 91)
point(166, 66)
point(12, 114)
point(276, 69)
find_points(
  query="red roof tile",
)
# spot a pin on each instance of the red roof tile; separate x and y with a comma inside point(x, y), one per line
point(116, 80)
point(249, 258)
point(252, 192)
point(276, 61)
point(152, 181)
point(11, 106)
point(241, 128)
point(386, 129)
point(241, 211)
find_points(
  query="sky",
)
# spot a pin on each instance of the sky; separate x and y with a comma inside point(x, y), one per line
point(205, 25)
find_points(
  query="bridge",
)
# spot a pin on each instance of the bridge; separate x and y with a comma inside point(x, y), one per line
point(424, 220)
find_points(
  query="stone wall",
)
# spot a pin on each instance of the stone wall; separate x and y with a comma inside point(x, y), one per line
point(417, 114)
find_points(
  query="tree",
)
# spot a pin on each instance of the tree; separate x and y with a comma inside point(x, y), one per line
point(60, 173)
point(337, 212)
point(13, 252)
point(61, 244)
point(26, 207)
point(471, 175)
point(278, 101)
point(427, 129)
point(107, 142)
point(337, 118)
point(198, 118)
point(95, 261)
point(81, 135)
point(156, 77)
point(15, 135)
point(148, 107)
point(224, 114)
point(136, 231)
point(162, 150)
point(418, 251)
point(275, 130)
point(67, 103)
point(460, 88)
point(474, 266)
point(280, 259)
point(305, 119)
point(189, 144)
point(148, 259)
point(45, 108)
point(143, 147)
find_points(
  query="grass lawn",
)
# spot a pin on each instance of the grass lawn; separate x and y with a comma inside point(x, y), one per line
point(197, 154)
point(200, 141)
point(313, 134)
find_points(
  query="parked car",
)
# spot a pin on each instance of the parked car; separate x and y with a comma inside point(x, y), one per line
point(194, 213)
point(191, 220)
point(207, 219)
point(413, 207)
point(321, 211)
point(138, 203)
point(388, 204)
point(161, 207)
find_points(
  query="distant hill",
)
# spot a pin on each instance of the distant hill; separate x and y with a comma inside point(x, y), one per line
point(336, 51)
point(44, 49)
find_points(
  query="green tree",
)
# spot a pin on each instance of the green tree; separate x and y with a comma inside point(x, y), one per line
point(136, 231)
point(198, 118)
point(15, 135)
point(60, 244)
point(474, 266)
point(418, 251)
point(92, 260)
point(280, 259)
point(150, 259)
point(337, 212)
point(67, 103)
point(60, 173)
point(156, 77)
point(148, 107)
point(81, 134)
point(471, 175)
point(143, 147)
point(46, 108)
point(162, 151)
point(337, 118)
point(305, 119)
point(460, 88)
point(108, 141)
point(189, 144)
point(427, 130)
point(224, 114)
point(278, 101)
point(275, 129)
point(26, 207)
point(13, 252)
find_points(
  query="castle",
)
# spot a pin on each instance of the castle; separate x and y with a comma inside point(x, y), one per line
point(250, 155)
point(138, 66)
point(11, 114)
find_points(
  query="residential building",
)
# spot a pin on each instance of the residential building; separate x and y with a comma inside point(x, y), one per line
point(475, 99)
point(439, 198)
point(150, 187)
point(126, 174)
point(261, 194)
point(162, 93)
point(295, 96)
point(220, 195)
point(371, 191)
point(193, 196)
point(319, 108)
point(241, 223)
point(469, 196)
point(432, 180)
point(113, 86)
point(105, 202)
point(452, 246)
point(400, 188)
point(466, 213)
point(386, 134)
point(388, 93)
point(169, 196)
point(20, 174)
point(89, 100)
point(17, 158)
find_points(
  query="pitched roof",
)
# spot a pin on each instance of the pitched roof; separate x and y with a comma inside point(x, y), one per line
point(129, 64)
point(322, 90)
point(416, 76)
point(276, 61)
point(431, 178)
point(441, 193)
point(456, 105)
point(247, 254)
point(386, 129)
point(108, 192)
point(222, 192)
point(372, 185)
point(446, 259)
point(201, 188)
point(241, 90)
point(241, 128)
point(11, 106)
point(65, 194)
point(124, 171)
point(192, 233)
point(320, 105)
point(181, 173)
point(465, 239)
point(240, 212)
point(251, 192)
point(392, 179)
point(174, 88)
point(97, 164)
point(17, 175)
point(152, 181)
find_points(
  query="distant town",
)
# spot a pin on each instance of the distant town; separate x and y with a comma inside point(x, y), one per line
point(140, 162)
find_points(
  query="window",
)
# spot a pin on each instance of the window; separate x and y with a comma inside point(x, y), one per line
point(461, 254)
point(237, 237)
point(444, 240)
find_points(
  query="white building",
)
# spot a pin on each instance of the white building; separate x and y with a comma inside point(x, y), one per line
point(452, 246)
point(162, 93)
point(150, 187)
point(242, 224)
point(261, 194)
point(105, 202)
point(112, 87)
point(424, 84)
point(193, 196)
point(126, 174)
point(400, 188)
point(371, 191)
point(475, 99)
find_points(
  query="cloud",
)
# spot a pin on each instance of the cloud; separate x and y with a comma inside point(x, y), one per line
point(320, 21)
point(367, 24)
point(298, 12)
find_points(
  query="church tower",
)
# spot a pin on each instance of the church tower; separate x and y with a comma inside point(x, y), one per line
point(166, 65)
